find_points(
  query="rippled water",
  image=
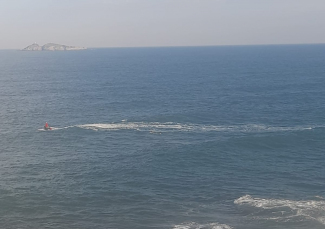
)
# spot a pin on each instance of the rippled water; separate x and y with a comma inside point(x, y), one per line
point(176, 138)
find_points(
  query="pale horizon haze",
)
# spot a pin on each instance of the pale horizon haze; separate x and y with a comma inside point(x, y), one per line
point(147, 23)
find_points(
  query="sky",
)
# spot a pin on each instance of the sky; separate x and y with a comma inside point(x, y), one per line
point(146, 23)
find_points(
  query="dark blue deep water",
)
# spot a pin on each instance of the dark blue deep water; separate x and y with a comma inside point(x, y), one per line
point(164, 138)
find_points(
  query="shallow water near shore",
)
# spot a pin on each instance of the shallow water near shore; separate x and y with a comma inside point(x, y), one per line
point(175, 138)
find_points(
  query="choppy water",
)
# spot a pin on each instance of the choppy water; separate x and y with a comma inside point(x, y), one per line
point(175, 138)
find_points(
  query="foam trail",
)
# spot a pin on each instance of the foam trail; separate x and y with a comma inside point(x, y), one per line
point(194, 225)
point(140, 126)
point(287, 210)
point(156, 127)
point(171, 126)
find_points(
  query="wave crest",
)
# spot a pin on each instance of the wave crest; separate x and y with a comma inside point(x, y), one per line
point(286, 210)
point(194, 225)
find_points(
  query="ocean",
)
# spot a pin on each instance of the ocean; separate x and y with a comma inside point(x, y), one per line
point(229, 137)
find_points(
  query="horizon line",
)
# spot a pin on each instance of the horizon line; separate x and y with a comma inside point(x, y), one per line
point(176, 46)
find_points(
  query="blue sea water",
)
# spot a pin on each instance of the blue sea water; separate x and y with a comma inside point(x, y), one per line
point(165, 138)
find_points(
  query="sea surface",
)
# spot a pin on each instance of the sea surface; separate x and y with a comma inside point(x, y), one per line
point(163, 138)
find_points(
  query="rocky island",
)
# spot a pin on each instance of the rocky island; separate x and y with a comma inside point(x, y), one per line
point(52, 47)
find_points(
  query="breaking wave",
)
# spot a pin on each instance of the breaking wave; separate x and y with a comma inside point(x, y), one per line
point(193, 225)
point(285, 210)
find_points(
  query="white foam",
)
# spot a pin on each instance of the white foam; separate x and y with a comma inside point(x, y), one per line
point(158, 127)
point(287, 209)
point(140, 126)
point(194, 225)
point(170, 126)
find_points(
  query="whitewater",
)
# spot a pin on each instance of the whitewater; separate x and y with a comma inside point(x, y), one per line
point(184, 127)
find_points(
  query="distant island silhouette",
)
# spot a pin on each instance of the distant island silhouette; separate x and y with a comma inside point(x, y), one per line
point(51, 47)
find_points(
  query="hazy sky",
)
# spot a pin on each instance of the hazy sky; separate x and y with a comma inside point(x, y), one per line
point(120, 23)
